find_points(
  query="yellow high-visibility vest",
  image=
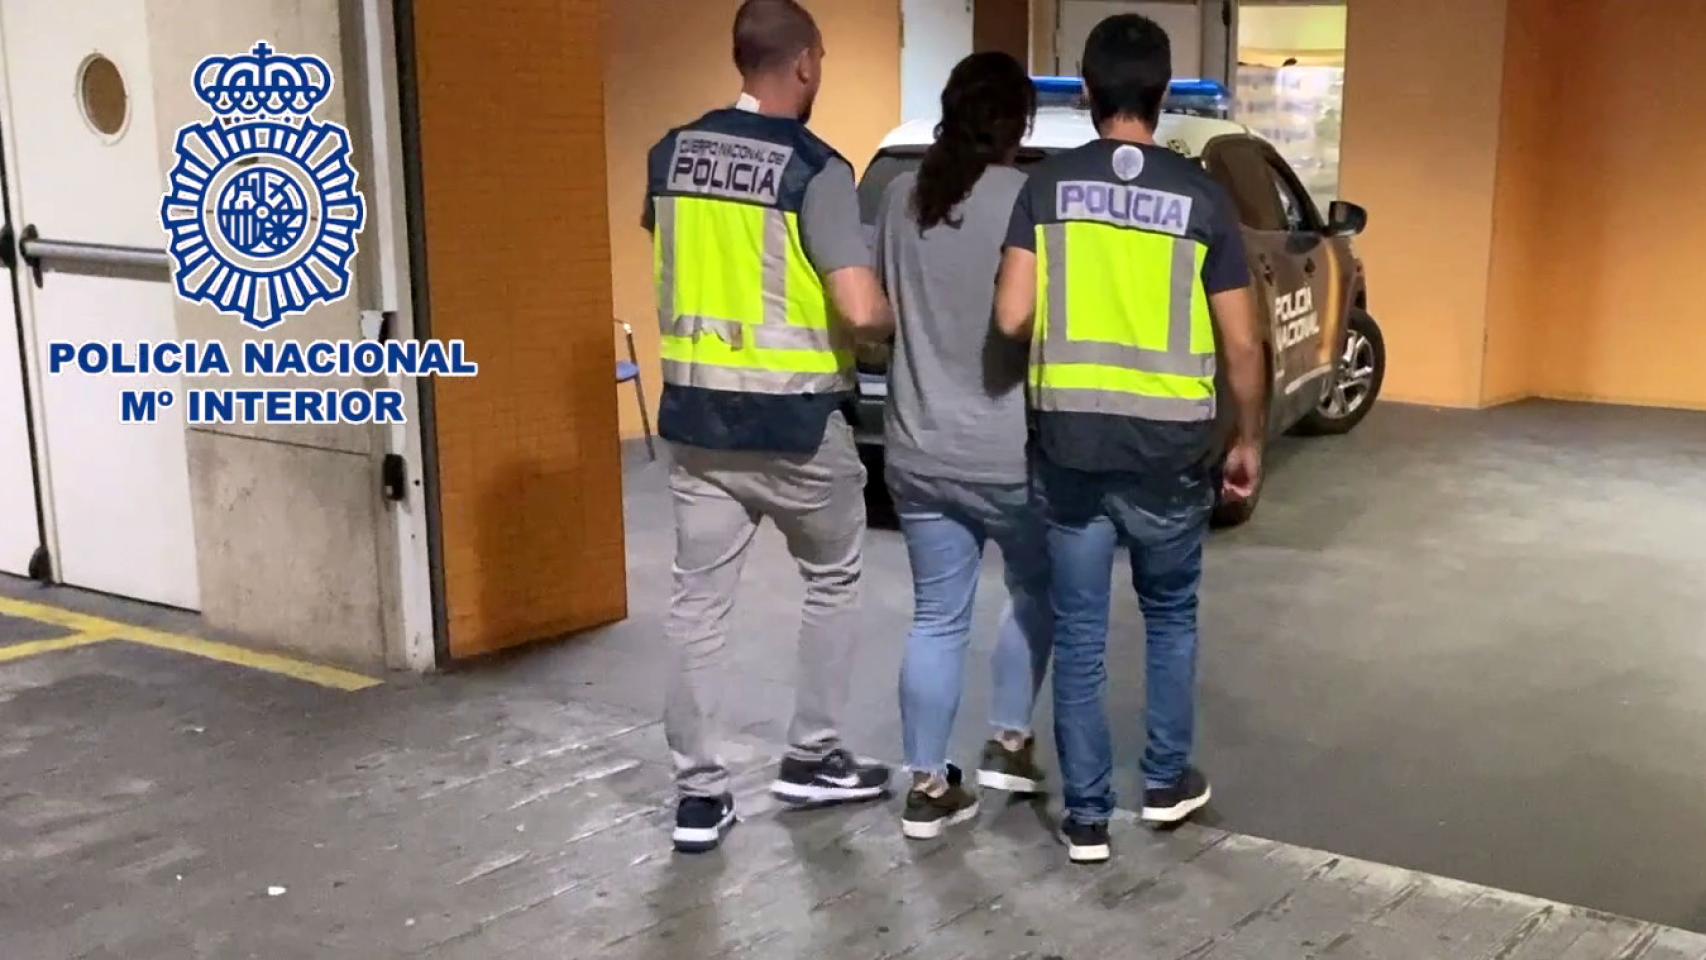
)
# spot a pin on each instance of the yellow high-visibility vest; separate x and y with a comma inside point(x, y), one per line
point(740, 307)
point(1122, 323)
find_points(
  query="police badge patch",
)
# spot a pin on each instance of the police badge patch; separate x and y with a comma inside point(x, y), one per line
point(263, 211)
point(1128, 162)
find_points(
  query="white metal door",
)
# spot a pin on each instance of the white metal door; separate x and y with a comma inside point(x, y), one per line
point(935, 35)
point(19, 533)
point(86, 169)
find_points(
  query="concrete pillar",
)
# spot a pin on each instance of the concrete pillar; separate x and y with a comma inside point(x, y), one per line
point(1220, 41)
point(291, 528)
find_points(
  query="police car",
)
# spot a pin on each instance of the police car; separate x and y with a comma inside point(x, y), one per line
point(1326, 357)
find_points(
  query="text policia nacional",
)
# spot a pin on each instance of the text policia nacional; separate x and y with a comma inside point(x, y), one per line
point(264, 359)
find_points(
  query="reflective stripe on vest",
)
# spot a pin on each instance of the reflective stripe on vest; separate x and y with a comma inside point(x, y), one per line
point(739, 306)
point(1122, 325)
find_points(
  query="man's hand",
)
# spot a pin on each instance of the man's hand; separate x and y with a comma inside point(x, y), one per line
point(858, 298)
point(1243, 472)
point(1016, 293)
point(1238, 323)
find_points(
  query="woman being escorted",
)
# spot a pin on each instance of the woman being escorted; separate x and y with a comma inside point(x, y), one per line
point(956, 440)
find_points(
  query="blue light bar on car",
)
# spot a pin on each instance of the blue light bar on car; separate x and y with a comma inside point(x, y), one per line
point(1196, 88)
point(1194, 96)
point(1052, 87)
point(1199, 98)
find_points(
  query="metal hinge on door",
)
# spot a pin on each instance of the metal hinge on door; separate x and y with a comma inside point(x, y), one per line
point(8, 247)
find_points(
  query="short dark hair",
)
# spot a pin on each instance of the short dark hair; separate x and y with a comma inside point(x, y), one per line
point(770, 34)
point(1128, 62)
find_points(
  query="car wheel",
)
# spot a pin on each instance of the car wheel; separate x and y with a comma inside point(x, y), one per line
point(1356, 385)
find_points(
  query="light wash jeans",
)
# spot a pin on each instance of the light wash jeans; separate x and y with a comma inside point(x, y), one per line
point(1089, 515)
point(946, 523)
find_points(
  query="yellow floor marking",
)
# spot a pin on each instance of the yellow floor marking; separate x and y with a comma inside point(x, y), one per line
point(253, 659)
point(96, 629)
point(19, 651)
point(42, 613)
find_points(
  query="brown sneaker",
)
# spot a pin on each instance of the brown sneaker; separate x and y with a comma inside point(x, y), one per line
point(926, 816)
point(1015, 771)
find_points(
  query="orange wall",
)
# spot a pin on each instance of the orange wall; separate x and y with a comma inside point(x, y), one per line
point(1624, 212)
point(656, 79)
point(1521, 275)
point(1541, 240)
point(1419, 150)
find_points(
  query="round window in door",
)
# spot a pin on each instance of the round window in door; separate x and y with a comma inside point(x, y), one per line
point(102, 97)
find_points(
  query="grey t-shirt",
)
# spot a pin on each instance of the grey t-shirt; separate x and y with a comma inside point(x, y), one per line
point(956, 386)
point(830, 230)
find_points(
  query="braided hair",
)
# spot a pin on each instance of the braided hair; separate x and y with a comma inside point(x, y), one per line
point(986, 108)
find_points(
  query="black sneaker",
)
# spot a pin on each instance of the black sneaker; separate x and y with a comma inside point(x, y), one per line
point(836, 778)
point(1085, 842)
point(702, 822)
point(1173, 804)
point(1015, 771)
point(926, 816)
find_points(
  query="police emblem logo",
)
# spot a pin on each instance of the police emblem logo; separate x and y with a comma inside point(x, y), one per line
point(1128, 162)
point(263, 211)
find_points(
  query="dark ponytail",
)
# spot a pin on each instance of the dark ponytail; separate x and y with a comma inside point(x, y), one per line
point(986, 109)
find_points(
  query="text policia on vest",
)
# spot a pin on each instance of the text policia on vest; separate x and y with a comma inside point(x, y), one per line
point(733, 167)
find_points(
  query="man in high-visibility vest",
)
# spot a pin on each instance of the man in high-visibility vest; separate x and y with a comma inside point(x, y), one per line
point(1123, 260)
point(764, 278)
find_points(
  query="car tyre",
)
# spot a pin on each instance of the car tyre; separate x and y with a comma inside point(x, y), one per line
point(1357, 378)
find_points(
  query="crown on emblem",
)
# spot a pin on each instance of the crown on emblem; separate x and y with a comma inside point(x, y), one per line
point(262, 82)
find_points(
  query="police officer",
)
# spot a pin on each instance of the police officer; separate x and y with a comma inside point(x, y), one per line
point(1123, 260)
point(764, 278)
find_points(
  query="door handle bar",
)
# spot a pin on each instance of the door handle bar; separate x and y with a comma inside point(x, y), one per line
point(37, 250)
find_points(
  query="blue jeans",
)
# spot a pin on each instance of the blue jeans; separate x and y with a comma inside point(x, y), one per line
point(1089, 516)
point(946, 523)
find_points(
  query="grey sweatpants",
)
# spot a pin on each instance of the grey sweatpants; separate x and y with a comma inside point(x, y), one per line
point(818, 503)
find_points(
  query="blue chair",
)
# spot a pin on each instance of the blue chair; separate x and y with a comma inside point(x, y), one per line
point(628, 371)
